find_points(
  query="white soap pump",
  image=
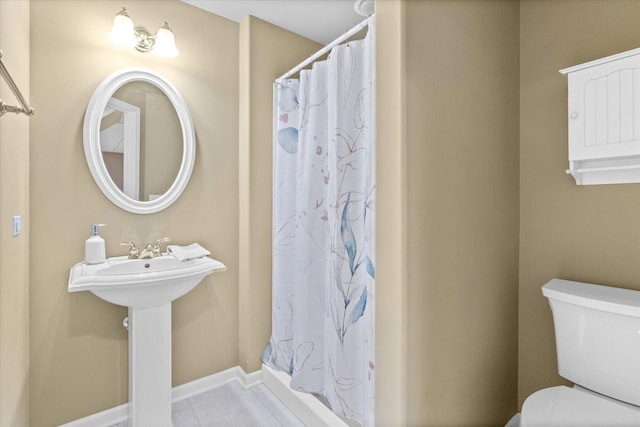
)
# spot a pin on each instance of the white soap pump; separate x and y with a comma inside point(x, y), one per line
point(94, 252)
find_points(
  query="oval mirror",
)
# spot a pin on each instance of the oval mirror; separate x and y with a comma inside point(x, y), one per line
point(139, 140)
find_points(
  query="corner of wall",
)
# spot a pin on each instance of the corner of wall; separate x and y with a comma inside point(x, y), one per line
point(244, 191)
point(262, 60)
point(391, 233)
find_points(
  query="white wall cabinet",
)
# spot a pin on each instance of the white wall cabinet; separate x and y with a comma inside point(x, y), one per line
point(604, 120)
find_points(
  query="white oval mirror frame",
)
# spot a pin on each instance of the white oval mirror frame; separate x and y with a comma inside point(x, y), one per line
point(93, 153)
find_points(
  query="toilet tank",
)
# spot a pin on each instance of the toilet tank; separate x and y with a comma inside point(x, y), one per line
point(597, 332)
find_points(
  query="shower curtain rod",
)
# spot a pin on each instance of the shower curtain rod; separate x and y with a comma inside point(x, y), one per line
point(4, 108)
point(327, 48)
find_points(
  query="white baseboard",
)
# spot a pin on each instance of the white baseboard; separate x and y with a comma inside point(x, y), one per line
point(306, 407)
point(303, 405)
point(120, 413)
point(190, 389)
point(105, 418)
point(249, 380)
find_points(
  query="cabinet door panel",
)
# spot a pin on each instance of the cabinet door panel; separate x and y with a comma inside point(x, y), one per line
point(604, 110)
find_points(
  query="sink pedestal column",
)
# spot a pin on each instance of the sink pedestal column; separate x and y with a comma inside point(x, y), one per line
point(150, 366)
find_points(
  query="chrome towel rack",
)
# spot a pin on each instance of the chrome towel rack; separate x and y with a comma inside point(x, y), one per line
point(4, 108)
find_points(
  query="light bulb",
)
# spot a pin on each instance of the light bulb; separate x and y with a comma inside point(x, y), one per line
point(165, 42)
point(122, 30)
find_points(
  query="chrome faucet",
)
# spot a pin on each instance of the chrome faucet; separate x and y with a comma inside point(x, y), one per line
point(149, 251)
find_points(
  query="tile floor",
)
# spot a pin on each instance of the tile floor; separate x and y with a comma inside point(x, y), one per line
point(232, 405)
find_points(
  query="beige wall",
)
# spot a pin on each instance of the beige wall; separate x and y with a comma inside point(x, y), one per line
point(584, 233)
point(462, 222)
point(78, 344)
point(14, 200)
point(447, 203)
point(266, 52)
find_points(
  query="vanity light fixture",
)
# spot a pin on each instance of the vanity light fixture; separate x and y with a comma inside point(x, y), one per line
point(125, 33)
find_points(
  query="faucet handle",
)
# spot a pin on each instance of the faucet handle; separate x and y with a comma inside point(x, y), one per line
point(156, 246)
point(133, 249)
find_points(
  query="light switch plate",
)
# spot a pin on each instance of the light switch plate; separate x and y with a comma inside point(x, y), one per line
point(17, 225)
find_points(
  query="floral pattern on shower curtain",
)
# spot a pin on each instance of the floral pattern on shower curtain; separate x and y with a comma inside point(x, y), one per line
point(324, 231)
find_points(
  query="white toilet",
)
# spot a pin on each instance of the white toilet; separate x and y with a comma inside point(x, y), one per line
point(598, 348)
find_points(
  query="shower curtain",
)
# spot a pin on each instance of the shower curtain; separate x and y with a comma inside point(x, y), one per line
point(324, 231)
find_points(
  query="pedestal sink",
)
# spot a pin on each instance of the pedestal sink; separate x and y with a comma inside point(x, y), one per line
point(146, 287)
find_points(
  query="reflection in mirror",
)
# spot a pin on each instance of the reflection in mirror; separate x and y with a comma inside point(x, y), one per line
point(141, 141)
point(120, 139)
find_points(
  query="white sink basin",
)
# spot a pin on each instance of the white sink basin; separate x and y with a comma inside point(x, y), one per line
point(141, 282)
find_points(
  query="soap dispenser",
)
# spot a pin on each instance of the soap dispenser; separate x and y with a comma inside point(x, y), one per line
point(94, 252)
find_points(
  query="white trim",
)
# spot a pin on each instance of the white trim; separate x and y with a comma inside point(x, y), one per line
point(120, 413)
point(190, 389)
point(303, 405)
point(105, 418)
point(600, 61)
point(252, 379)
point(131, 151)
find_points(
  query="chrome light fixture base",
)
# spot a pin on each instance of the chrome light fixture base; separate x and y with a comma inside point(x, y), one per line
point(145, 39)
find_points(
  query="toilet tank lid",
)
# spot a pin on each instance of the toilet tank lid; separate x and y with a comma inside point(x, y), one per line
point(599, 297)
